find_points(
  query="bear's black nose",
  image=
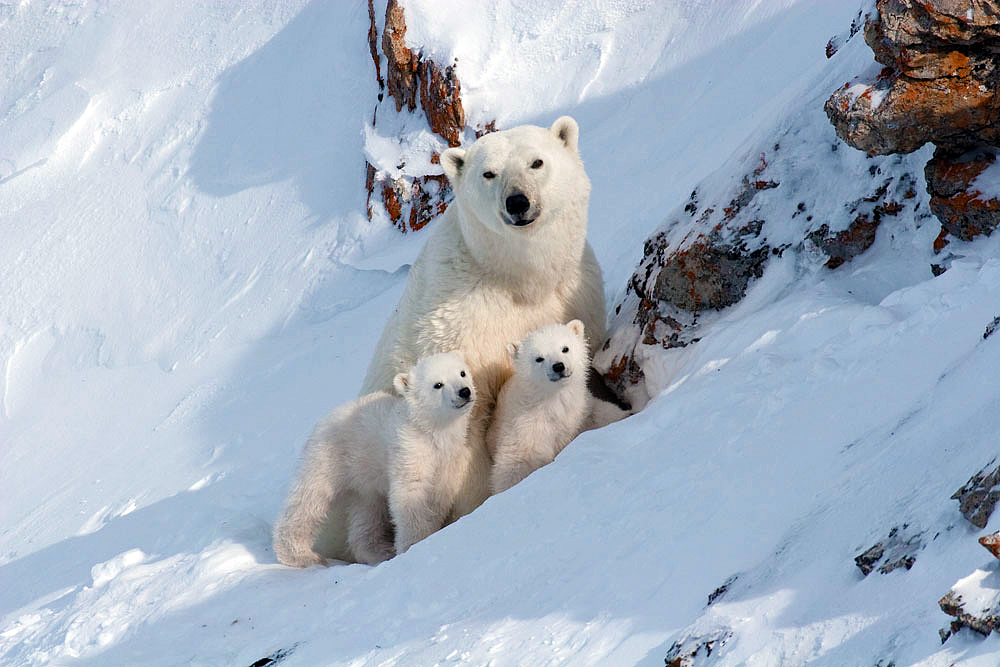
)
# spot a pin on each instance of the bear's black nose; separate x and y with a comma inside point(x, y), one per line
point(559, 367)
point(517, 204)
point(465, 392)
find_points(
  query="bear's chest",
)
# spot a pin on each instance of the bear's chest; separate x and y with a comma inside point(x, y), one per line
point(481, 322)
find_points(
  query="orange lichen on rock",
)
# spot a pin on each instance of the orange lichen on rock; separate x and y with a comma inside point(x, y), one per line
point(963, 209)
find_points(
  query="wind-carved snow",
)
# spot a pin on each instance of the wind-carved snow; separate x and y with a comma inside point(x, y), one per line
point(188, 283)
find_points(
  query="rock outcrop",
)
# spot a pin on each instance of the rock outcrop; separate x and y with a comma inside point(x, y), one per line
point(983, 622)
point(965, 206)
point(410, 200)
point(940, 83)
point(898, 550)
point(979, 496)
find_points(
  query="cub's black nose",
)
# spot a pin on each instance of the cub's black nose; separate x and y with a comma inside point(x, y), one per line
point(517, 204)
point(559, 367)
point(465, 392)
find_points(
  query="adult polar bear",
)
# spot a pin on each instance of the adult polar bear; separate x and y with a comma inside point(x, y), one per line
point(508, 256)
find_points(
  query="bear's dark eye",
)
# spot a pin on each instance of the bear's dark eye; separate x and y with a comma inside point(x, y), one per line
point(462, 373)
point(489, 174)
point(540, 359)
point(565, 350)
point(438, 385)
point(537, 164)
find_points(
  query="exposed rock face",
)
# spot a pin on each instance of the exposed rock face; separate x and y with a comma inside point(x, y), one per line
point(710, 273)
point(978, 497)
point(964, 210)
point(898, 549)
point(675, 283)
point(690, 650)
point(411, 201)
point(410, 77)
point(941, 82)
point(991, 543)
point(984, 623)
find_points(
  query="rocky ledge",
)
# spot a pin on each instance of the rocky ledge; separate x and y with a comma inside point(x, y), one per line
point(940, 83)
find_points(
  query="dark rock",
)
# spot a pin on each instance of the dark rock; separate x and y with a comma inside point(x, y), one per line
point(952, 605)
point(410, 77)
point(276, 657)
point(963, 209)
point(705, 275)
point(847, 244)
point(683, 653)
point(977, 497)
point(897, 550)
point(413, 81)
point(991, 327)
point(721, 590)
point(373, 44)
point(867, 560)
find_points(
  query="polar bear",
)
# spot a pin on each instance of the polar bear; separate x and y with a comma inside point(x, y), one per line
point(383, 464)
point(543, 406)
point(509, 255)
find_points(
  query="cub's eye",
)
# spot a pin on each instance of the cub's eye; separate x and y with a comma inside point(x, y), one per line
point(565, 350)
point(462, 373)
point(537, 164)
point(438, 385)
point(488, 175)
point(540, 359)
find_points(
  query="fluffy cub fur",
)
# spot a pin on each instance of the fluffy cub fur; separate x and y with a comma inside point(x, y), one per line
point(508, 256)
point(386, 467)
point(543, 406)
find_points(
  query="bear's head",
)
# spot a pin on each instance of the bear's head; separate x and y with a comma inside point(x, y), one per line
point(438, 389)
point(550, 356)
point(517, 181)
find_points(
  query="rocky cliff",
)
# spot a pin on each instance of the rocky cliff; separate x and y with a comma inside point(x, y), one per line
point(939, 83)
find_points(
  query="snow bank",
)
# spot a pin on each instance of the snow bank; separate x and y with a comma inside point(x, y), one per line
point(188, 282)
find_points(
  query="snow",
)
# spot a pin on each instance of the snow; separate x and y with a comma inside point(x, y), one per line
point(188, 282)
point(988, 180)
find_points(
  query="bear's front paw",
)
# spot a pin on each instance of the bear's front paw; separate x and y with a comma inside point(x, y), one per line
point(303, 558)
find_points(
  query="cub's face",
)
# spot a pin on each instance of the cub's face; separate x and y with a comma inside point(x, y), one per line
point(552, 355)
point(516, 180)
point(439, 387)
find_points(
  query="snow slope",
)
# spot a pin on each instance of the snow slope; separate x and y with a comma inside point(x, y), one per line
point(188, 283)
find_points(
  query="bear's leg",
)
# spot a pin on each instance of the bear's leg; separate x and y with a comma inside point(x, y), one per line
point(305, 512)
point(368, 529)
point(514, 464)
point(415, 512)
point(475, 487)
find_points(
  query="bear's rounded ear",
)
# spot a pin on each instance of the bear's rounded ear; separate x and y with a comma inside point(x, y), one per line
point(567, 131)
point(402, 383)
point(512, 350)
point(452, 160)
point(576, 326)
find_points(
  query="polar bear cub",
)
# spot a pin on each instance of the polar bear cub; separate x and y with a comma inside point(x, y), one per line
point(383, 464)
point(543, 406)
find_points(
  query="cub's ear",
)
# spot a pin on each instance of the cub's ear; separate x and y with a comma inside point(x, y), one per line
point(576, 326)
point(453, 160)
point(567, 131)
point(402, 383)
point(512, 350)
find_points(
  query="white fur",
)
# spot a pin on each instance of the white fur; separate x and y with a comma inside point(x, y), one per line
point(543, 406)
point(382, 461)
point(480, 282)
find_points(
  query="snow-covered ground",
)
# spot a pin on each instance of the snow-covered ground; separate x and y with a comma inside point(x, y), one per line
point(188, 282)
